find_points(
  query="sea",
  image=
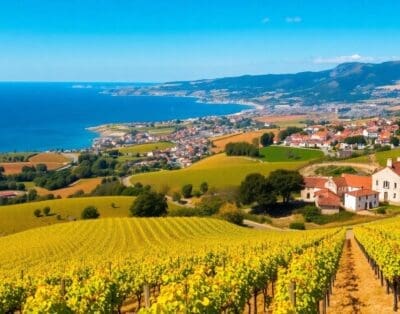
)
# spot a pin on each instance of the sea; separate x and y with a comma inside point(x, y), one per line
point(55, 116)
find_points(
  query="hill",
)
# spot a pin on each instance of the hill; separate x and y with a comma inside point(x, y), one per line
point(348, 82)
point(16, 218)
point(219, 171)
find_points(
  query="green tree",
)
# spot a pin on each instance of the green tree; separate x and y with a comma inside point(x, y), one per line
point(46, 211)
point(90, 212)
point(255, 188)
point(176, 197)
point(149, 204)
point(285, 182)
point(37, 213)
point(394, 141)
point(231, 213)
point(204, 187)
point(267, 139)
point(187, 190)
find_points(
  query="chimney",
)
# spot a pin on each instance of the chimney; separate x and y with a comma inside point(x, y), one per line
point(389, 163)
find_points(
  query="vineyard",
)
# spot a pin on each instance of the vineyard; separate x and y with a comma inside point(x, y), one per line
point(381, 246)
point(166, 265)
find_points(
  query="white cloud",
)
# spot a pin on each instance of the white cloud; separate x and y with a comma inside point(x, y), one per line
point(341, 59)
point(293, 19)
point(265, 20)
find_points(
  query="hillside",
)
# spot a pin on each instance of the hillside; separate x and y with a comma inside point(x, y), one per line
point(219, 171)
point(348, 82)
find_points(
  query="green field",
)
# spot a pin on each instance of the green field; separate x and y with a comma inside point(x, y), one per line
point(15, 218)
point(219, 171)
point(289, 154)
point(145, 148)
point(381, 157)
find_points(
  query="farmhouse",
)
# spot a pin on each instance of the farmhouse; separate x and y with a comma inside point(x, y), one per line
point(353, 192)
point(387, 182)
point(8, 194)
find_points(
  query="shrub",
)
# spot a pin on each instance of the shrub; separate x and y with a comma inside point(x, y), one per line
point(176, 197)
point(46, 210)
point(297, 226)
point(187, 190)
point(37, 213)
point(204, 187)
point(231, 213)
point(90, 212)
point(149, 204)
point(310, 213)
point(381, 210)
point(196, 193)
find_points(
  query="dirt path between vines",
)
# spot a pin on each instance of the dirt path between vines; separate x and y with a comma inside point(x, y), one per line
point(356, 289)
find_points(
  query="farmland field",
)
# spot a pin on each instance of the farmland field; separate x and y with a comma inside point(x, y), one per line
point(289, 154)
point(219, 143)
point(219, 171)
point(145, 148)
point(51, 160)
point(86, 185)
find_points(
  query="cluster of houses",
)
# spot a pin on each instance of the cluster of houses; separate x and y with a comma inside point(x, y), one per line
point(354, 192)
point(379, 131)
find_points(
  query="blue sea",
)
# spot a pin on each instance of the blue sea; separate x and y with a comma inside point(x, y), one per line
point(48, 116)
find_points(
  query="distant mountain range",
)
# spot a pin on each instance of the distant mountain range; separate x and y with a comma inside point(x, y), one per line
point(348, 82)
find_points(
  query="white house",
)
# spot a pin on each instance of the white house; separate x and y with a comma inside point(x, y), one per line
point(362, 199)
point(387, 182)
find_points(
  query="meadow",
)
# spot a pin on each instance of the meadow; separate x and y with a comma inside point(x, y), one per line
point(220, 142)
point(16, 218)
point(380, 157)
point(145, 148)
point(219, 171)
point(289, 154)
point(86, 185)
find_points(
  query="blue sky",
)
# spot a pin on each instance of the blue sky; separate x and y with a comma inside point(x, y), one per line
point(146, 40)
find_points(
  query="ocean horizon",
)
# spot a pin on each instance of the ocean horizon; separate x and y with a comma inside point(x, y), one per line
point(55, 116)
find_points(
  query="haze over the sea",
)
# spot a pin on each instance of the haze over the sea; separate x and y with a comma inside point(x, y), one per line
point(48, 116)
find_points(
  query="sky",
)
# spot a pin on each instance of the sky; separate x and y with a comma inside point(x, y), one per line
point(167, 40)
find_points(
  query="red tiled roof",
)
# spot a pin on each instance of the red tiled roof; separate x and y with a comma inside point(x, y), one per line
point(356, 181)
point(315, 182)
point(396, 167)
point(362, 192)
point(327, 198)
point(340, 181)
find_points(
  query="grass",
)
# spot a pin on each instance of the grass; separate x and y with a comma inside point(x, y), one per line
point(16, 218)
point(219, 143)
point(289, 154)
point(145, 148)
point(219, 171)
point(381, 157)
point(86, 185)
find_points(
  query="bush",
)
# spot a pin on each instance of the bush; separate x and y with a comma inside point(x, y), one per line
point(187, 190)
point(381, 210)
point(46, 210)
point(37, 213)
point(196, 193)
point(90, 212)
point(297, 226)
point(149, 204)
point(231, 213)
point(204, 187)
point(176, 197)
point(310, 213)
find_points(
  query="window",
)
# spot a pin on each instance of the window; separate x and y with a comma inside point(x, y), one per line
point(308, 195)
point(386, 184)
point(394, 195)
point(377, 183)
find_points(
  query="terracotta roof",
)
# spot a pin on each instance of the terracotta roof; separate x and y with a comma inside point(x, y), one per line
point(356, 181)
point(340, 181)
point(362, 192)
point(396, 167)
point(327, 198)
point(315, 182)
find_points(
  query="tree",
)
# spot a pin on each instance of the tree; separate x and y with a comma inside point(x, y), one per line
point(149, 204)
point(267, 139)
point(187, 190)
point(37, 213)
point(394, 141)
point(289, 131)
point(231, 213)
point(255, 188)
point(204, 187)
point(285, 182)
point(90, 212)
point(176, 197)
point(32, 194)
point(357, 139)
point(46, 210)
